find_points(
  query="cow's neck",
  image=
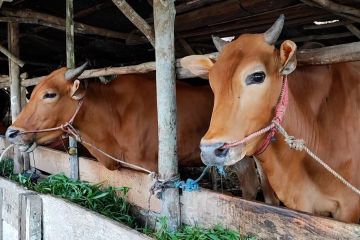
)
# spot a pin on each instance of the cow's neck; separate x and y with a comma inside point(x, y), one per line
point(96, 121)
point(286, 168)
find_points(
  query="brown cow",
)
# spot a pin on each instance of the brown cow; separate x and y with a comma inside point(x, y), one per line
point(119, 118)
point(323, 110)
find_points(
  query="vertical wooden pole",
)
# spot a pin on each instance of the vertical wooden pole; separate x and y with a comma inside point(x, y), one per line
point(164, 19)
point(70, 63)
point(14, 73)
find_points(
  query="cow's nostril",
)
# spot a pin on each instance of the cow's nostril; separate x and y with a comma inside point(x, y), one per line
point(221, 152)
point(12, 133)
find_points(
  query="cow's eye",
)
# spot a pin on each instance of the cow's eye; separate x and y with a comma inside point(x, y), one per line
point(49, 95)
point(255, 78)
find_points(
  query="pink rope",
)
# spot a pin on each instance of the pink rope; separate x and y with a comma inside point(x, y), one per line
point(66, 127)
point(279, 116)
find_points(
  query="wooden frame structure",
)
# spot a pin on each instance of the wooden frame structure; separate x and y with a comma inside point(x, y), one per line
point(248, 217)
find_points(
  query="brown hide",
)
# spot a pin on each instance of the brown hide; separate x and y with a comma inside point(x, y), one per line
point(119, 118)
point(324, 110)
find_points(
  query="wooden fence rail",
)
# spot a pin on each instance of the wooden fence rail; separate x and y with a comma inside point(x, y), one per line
point(326, 55)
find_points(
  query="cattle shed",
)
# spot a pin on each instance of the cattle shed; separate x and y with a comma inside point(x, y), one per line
point(138, 36)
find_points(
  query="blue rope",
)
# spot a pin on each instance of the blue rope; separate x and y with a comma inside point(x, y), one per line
point(221, 171)
point(191, 185)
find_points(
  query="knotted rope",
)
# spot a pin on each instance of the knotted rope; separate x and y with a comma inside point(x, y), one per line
point(299, 145)
point(175, 182)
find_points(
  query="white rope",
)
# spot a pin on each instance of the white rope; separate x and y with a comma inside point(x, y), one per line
point(299, 145)
point(5, 150)
point(153, 174)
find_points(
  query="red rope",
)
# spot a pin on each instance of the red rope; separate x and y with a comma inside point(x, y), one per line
point(279, 116)
point(66, 127)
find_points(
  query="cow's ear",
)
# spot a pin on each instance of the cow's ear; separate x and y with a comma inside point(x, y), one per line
point(198, 65)
point(77, 90)
point(287, 57)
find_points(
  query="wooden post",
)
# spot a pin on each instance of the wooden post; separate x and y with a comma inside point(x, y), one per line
point(30, 216)
point(70, 63)
point(164, 18)
point(14, 75)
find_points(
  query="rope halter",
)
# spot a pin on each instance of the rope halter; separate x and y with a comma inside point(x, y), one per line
point(271, 128)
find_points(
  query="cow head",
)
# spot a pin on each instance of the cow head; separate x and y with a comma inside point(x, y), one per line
point(246, 80)
point(52, 103)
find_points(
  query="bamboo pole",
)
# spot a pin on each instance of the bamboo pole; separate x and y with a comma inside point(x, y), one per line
point(136, 19)
point(164, 19)
point(70, 63)
point(11, 56)
point(15, 94)
point(32, 17)
point(347, 52)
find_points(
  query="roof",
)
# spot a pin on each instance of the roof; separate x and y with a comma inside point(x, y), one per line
point(43, 48)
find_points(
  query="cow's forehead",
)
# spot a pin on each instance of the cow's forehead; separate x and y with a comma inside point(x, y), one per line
point(54, 80)
point(249, 50)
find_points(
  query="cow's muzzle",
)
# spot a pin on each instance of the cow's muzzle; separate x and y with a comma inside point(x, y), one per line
point(14, 135)
point(215, 154)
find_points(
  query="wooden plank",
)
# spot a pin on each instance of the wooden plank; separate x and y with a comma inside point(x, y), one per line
point(52, 161)
point(1, 214)
point(327, 55)
point(65, 220)
point(11, 213)
point(207, 208)
point(337, 9)
point(218, 12)
point(164, 19)
point(61, 219)
point(353, 29)
point(29, 16)
point(31, 217)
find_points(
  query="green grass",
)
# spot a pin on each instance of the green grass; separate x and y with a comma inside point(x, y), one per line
point(196, 233)
point(112, 202)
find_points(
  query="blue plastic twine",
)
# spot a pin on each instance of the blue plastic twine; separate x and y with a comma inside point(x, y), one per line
point(191, 185)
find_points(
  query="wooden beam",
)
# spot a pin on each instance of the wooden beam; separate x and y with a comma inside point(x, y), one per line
point(87, 11)
point(329, 25)
point(11, 56)
point(332, 9)
point(32, 17)
point(309, 38)
point(94, 172)
point(15, 94)
point(207, 208)
point(164, 19)
point(136, 19)
point(70, 63)
point(340, 53)
point(192, 5)
point(330, 5)
point(263, 21)
point(354, 30)
point(186, 46)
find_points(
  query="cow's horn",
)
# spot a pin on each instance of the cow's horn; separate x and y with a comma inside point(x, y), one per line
point(71, 74)
point(272, 35)
point(219, 43)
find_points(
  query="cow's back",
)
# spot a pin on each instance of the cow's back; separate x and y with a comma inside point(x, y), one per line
point(134, 98)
